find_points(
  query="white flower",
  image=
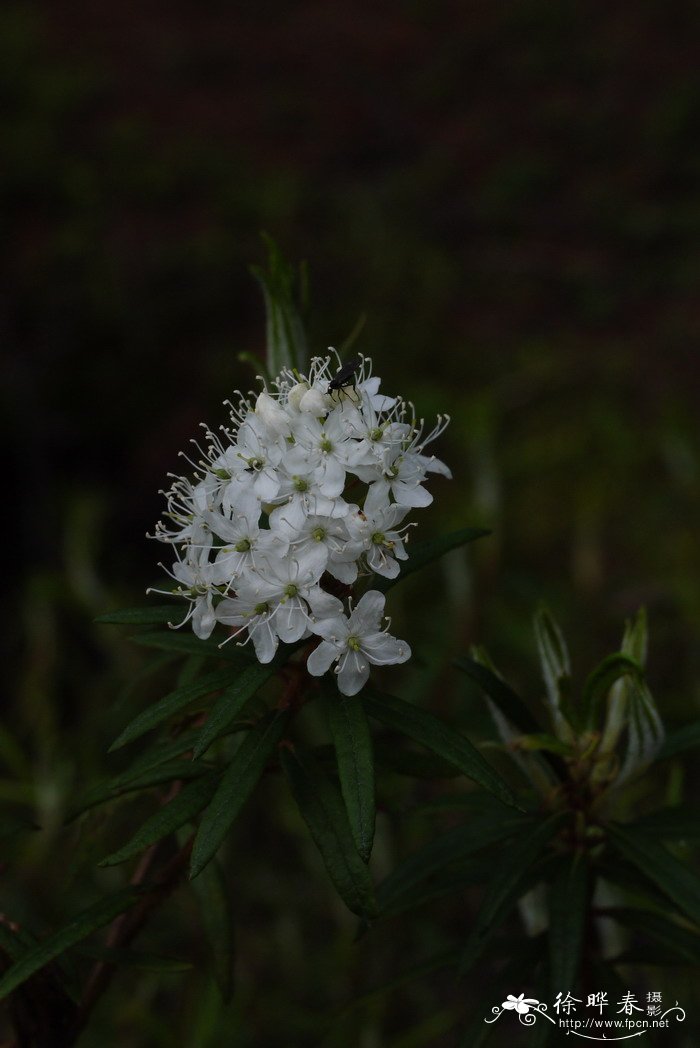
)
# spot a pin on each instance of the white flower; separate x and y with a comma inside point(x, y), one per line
point(271, 520)
point(373, 531)
point(274, 417)
point(355, 642)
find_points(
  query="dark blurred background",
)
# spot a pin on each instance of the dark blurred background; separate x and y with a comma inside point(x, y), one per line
point(509, 193)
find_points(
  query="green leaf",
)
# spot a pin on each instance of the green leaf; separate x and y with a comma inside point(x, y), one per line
point(601, 680)
point(176, 813)
point(322, 809)
point(678, 823)
point(680, 740)
point(568, 899)
point(348, 725)
point(174, 702)
point(231, 702)
point(446, 959)
point(457, 844)
point(417, 764)
point(236, 785)
point(162, 750)
point(161, 615)
point(682, 942)
point(423, 553)
point(15, 943)
point(431, 732)
point(287, 346)
point(678, 882)
point(213, 896)
point(507, 885)
point(75, 931)
point(169, 771)
point(508, 701)
point(188, 644)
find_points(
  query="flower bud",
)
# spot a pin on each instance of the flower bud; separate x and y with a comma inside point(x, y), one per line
point(271, 413)
point(313, 402)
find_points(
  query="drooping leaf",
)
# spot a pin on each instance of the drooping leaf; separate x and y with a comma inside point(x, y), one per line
point(322, 809)
point(448, 880)
point(437, 736)
point(677, 881)
point(417, 764)
point(213, 896)
point(236, 785)
point(160, 615)
point(423, 553)
point(188, 644)
point(231, 702)
point(75, 931)
point(164, 749)
point(15, 942)
point(680, 740)
point(174, 702)
point(445, 959)
point(476, 833)
point(184, 807)
point(508, 701)
point(353, 746)
point(507, 885)
point(681, 941)
point(168, 771)
point(568, 897)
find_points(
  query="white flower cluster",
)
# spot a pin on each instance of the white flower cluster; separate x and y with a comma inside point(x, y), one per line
point(310, 484)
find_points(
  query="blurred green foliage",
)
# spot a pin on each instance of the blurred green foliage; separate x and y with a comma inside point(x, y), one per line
point(510, 194)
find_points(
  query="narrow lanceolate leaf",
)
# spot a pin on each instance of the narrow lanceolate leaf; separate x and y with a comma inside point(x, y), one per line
point(507, 885)
point(680, 741)
point(160, 615)
point(322, 809)
point(508, 701)
point(437, 736)
point(416, 764)
point(231, 702)
point(568, 896)
point(348, 725)
point(236, 785)
point(168, 771)
point(423, 553)
point(75, 931)
point(174, 702)
point(188, 644)
point(213, 896)
point(682, 942)
point(677, 881)
point(457, 844)
point(180, 810)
